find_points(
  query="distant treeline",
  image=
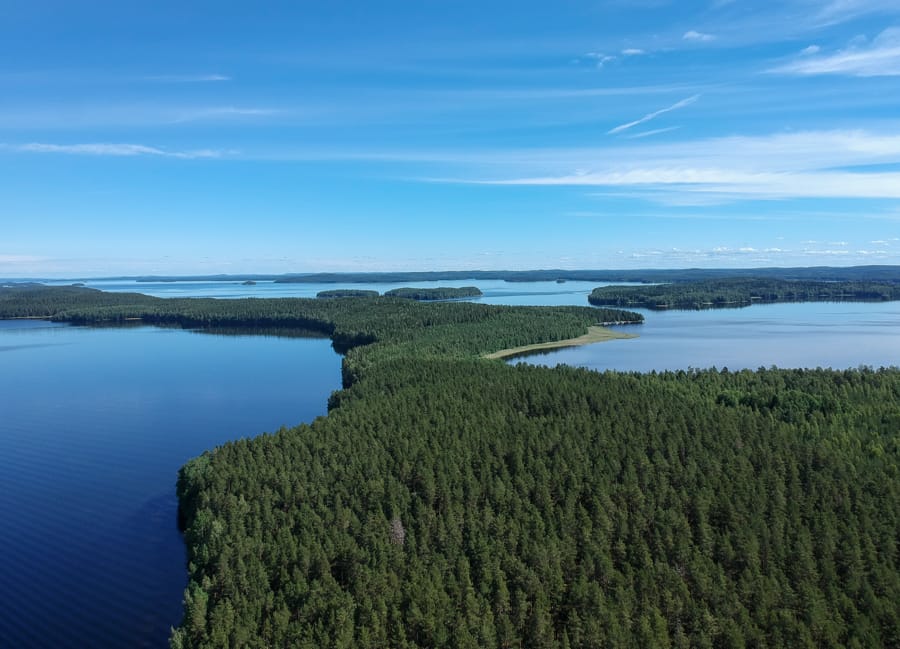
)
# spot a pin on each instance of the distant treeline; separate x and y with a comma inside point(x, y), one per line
point(441, 293)
point(738, 292)
point(823, 273)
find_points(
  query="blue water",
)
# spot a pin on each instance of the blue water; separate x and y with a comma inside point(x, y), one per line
point(495, 291)
point(94, 424)
point(825, 334)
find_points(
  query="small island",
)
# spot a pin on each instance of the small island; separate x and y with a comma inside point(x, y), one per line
point(346, 292)
point(248, 282)
point(429, 294)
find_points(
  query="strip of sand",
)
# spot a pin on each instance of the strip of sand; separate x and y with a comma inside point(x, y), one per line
point(594, 335)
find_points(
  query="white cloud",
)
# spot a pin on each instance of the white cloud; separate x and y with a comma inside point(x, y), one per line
point(632, 51)
point(812, 49)
point(654, 115)
point(815, 164)
point(104, 149)
point(736, 184)
point(881, 57)
point(698, 36)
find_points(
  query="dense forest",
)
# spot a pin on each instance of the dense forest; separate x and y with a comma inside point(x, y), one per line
point(439, 293)
point(738, 292)
point(452, 501)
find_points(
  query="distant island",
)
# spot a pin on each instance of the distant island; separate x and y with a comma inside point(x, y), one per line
point(249, 282)
point(740, 292)
point(346, 292)
point(441, 293)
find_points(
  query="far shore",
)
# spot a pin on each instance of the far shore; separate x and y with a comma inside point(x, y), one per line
point(595, 334)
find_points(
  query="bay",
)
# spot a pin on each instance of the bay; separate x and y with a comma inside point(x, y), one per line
point(839, 335)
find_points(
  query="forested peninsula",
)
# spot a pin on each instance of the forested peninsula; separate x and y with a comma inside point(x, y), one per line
point(739, 292)
point(449, 500)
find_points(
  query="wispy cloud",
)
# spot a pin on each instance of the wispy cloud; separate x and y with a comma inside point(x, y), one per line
point(881, 57)
point(632, 51)
point(116, 150)
point(186, 78)
point(77, 115)
point(19, 259)
point(735, 183)
point(654, 115)
point(711, 171)
point(696, 36)
point(839, 11)
point(600, 58)
point(656, 131)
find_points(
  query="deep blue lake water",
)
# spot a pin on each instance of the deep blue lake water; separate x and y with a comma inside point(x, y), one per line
point(94, 424)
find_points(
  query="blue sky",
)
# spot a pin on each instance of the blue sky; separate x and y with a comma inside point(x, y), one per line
point(216, 137)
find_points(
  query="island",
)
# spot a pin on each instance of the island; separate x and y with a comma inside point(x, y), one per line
point(453, 500)
point(440, 293)
point(248, 282)
point(739, 292)
point(346, 292)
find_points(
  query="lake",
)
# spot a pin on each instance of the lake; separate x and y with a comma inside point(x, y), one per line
point(97, 421)
point(95, 425)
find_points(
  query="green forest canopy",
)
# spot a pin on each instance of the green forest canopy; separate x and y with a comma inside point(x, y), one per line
point(452, 501)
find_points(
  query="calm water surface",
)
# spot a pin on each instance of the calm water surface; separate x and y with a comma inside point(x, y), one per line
point(94, 424)
point(495, 291)
point(837, 335)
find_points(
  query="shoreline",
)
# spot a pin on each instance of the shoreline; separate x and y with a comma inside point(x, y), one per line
point(595, 334)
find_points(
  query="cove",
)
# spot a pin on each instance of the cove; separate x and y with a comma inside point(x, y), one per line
point(838, 335)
